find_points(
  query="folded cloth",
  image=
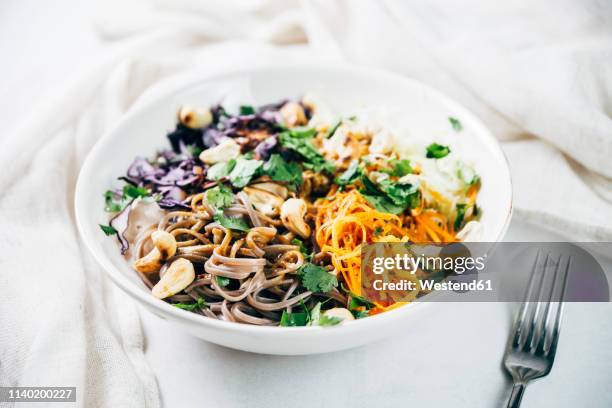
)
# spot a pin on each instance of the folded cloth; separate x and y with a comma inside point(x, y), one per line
point(537, 73)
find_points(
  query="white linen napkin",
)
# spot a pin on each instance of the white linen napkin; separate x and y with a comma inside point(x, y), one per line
point(536, 74)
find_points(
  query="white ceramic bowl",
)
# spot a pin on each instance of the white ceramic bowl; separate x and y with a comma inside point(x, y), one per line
point(143, 130)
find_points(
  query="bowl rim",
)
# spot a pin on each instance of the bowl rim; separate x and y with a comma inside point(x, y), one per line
point(150, 98)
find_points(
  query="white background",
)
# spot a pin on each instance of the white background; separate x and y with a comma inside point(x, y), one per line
point(448, 356)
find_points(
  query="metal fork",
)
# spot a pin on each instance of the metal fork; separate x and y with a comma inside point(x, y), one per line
point(532, 345)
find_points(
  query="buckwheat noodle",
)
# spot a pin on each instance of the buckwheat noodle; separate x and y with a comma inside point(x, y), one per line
point(261, 263)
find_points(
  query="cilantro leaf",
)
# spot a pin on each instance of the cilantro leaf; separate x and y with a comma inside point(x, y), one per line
point(303, 132)
point(134, 192)
point(383, 203)
point(237, 224)
point(456, 124)
point(107, 229)
point(222, 281)
point(404, 195)
point(113, 202)
point(244, 170)
point(220, 170)
point(351, 174)
point(461, 208)
point(359, 306)
point(316, 278)
point(437, 151)
point(247, 110)
point(401, 167)
point(389, 197)
point(357, 302)
point(219, 197)
point(293, 319)
point(200, 303)
point(279, 170)
point(194, 150)
point(300, 141)
point(360, 314)
point(308, 255)
point(329, 320)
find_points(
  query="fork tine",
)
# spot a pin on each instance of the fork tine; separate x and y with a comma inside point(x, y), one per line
point(536, 321)
point(539, 321)
point(551, 334)
point(519, 324)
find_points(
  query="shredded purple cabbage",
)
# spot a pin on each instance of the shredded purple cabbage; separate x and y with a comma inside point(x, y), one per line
point(120, 223)
point(263, 151)
point(175, 174)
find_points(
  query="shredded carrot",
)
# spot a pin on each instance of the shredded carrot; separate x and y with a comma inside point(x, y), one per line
point(345, 220)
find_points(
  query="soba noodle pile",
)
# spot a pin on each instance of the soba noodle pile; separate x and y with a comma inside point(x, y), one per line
point(262, 262)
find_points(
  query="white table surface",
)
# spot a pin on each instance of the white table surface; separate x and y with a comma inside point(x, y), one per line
point(448, 356)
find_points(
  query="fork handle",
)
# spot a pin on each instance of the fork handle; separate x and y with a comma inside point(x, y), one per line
point(517, 394)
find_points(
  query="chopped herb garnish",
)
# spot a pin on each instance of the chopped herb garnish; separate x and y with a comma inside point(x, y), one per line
point(220, 170)
point(360, 314)
point(114, 202)
point(384, 204)
point(315, 314)
point(247, 110)
point(390, 197)
point(350, 175)
point(134, 192)
point(401, 167)
point(280, 170)
point(329, 320)
point(456, 124)
point(244, 170)
point(222, 281)
point(293, 319)
point(316, 278)
point(107, 229)
point(302, 132)
point(300, 141)
point(404, 195)
point(460, 216)
point(219, 197)
point(308, 255)
point(359, 302)
point(237, 224)
point(333, 129)
point(437, 151)
point(194, 150)
point(468, 175)
point(378, 231)
point(200, 303)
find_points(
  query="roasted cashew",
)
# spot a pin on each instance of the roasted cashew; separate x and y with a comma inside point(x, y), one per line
point(165, 247)
point(292, 216)
point(178, 276)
